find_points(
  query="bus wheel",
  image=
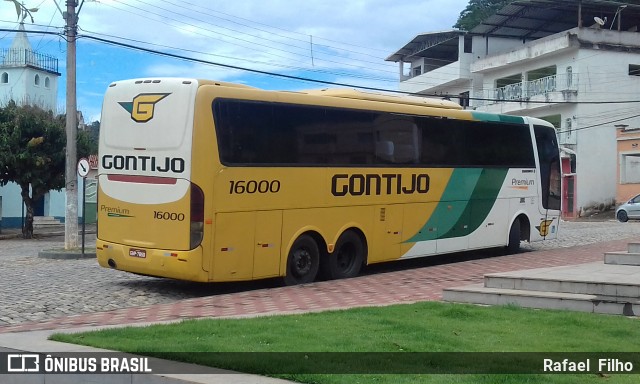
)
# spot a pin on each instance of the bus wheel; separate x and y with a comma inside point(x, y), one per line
point(303, 261)
point(514, 238)
point(347, 258)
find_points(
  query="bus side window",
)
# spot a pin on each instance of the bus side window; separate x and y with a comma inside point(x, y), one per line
point(384, 150)
point(440, 142)
point(397, 139)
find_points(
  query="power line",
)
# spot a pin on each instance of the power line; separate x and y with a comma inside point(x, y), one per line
point(306, 79)
point(600, 124)
point(253, 43)
point(280, 29)
point(315, 70)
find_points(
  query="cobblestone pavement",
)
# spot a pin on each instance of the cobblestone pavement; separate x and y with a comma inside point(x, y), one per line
point(42, 293)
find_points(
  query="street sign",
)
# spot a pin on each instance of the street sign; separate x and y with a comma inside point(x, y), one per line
point(83, 167)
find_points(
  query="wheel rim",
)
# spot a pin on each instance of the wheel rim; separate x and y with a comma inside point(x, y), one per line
point(301, 262)
point(622, 216)
point(346, 257)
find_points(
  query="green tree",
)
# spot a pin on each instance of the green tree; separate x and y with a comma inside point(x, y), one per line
point(478, 10)
point(32, 154)
point(88, 140)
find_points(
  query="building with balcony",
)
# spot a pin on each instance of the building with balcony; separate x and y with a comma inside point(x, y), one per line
point(574, 63)
point(28, 77)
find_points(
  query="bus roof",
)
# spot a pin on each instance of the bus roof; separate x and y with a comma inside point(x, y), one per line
point(371, 96)
point(346, 93)
point(224, 84)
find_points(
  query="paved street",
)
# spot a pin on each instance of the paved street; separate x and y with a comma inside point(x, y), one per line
point(44, 291)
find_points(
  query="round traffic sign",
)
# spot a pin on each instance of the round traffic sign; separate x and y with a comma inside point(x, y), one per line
point(83, 167)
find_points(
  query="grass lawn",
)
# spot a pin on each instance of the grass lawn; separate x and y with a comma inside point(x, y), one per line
point(421, 327)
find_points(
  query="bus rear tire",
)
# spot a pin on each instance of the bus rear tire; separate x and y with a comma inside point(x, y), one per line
point(514, 238)
point(347, 258)
point(303, 261)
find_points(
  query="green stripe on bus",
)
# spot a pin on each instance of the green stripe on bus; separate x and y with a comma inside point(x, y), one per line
point(483, 116)
point(454, 201)
point(483, 198)
point(465, 204)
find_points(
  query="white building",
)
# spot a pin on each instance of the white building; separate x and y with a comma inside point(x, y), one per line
point(574, 63)
point(28, 77)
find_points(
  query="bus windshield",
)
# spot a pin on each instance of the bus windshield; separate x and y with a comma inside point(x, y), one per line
point(549, 157)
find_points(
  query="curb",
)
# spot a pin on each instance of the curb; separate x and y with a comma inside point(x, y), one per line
point(67, 254)
point(36, 235)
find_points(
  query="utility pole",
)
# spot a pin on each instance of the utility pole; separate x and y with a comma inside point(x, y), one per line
point(71, 178)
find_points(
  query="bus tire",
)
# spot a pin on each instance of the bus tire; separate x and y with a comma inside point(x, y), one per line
point(303, 261)
point(514, 238)
point(347, 258)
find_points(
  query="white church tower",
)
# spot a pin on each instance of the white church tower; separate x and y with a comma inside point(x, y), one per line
point(26, 76)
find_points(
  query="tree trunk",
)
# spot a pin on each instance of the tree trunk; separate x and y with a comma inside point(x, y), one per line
point(27, 229)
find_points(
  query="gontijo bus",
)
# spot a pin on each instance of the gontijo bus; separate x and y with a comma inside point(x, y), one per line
point(212, 181)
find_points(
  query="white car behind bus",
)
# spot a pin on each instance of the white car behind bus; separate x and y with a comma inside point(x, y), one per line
point(629, 210)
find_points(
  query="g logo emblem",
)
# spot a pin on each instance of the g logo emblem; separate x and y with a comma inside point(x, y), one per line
point(544, 227)
point(142, 106)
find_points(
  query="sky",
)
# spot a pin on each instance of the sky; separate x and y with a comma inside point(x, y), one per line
point(342, 41)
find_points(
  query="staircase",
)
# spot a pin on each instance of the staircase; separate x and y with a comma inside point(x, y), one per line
point(612, 287)
point(47, 223)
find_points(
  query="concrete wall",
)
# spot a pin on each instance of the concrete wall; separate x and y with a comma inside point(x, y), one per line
point(481, 48)
point(433, 80)
point(604, 76)
point(22, 88)
point(601, 75)
point(11, 206)
point(54, 205)
point(41, 95)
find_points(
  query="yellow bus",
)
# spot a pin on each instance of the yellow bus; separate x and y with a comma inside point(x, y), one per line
point(211, 181)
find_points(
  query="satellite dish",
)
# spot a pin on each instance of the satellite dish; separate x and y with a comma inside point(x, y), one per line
point(599, 20)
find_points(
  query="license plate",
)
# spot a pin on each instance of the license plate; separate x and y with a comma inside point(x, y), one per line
point(134, 252)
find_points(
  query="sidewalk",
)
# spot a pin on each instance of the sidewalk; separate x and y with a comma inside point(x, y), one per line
point(15, 233)
point(394, 283)
point(36, 342)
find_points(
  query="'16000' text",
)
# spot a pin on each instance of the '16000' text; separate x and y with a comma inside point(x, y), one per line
point(252, 186)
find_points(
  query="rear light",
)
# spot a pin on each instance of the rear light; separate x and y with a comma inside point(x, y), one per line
point(97, 205)
point(196, 228)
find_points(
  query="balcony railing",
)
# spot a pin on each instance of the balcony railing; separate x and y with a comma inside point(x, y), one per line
point(27, 57)
point(525, 90)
